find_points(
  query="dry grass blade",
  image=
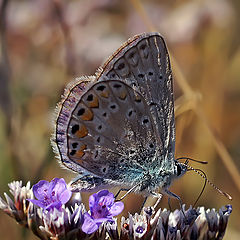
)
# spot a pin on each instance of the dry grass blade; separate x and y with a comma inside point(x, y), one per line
point(139, 8)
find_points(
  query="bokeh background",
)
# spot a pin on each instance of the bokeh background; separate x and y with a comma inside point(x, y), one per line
point(45, 44)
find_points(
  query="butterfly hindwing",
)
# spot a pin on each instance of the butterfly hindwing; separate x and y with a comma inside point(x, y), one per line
point(110, 131)
point(64, 109)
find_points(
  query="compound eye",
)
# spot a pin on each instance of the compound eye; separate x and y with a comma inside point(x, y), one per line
point(179, 170)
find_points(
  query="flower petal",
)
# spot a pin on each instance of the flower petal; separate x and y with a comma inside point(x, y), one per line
point(37, 202)
point(107, 200)
point(116, 208)
point(89, 226)
point(102, 193)
point(101, 220)
point(65, 196)
point(57, 186)
point(56, 204)
point(92, 201)
point(40, 190)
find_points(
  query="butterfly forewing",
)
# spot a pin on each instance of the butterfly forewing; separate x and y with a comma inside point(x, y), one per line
point(144, 64)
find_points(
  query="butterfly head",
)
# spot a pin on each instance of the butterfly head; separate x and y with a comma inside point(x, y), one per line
point(180, 169)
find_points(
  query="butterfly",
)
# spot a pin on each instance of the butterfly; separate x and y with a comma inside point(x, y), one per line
point(117, 128)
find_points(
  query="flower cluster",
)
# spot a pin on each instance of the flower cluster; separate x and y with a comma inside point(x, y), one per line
point(180, 224)
point(55, 214)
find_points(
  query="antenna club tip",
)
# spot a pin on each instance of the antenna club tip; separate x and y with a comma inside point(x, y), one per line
point(228, 196)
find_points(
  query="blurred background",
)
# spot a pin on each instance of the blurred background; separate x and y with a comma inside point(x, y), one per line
point(46, 44)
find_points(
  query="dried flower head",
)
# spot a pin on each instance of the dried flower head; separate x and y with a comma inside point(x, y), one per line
point(70, 221)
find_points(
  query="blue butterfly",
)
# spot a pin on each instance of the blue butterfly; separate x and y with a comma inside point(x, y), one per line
point(117, 128)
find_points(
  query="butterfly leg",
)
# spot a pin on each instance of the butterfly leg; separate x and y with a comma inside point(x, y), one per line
point(121, 190)
point(144, 201)
point(170, 194)
point(155, 205)
point(126, 190)
point(150, 210)
point(129, 191)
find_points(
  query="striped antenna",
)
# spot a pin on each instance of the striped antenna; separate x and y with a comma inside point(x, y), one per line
point(205, 177)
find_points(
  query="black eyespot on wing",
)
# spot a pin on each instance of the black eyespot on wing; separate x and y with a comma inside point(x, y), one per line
point(74, 145)
point(90, 97)
point(113, 106)
point(73, 152)
point(150, 73)
point(96, 154)
point(81, 111)
point(101, 88)
point(151, 145)
point(130, 113)
point(121, 66)
point(145, 121)
point(75, 128)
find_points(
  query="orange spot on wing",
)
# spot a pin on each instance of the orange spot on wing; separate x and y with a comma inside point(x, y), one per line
point(82, 132)
point(104, 94)
point(123, 95)
point(137, 97)
point(80, 153)
point(79, 160)
point(88, 115)
point(94, 102)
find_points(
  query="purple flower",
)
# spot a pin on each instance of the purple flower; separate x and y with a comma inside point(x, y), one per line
point(51, 194)
point(102, 209)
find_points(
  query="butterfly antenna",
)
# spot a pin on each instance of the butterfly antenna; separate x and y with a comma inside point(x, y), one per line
point(191, 159)
point(205, 182)
point(210, 183)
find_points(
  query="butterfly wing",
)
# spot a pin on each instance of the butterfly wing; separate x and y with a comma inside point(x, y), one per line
point(110, 130)
point(143, 62)
point(64, 109)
